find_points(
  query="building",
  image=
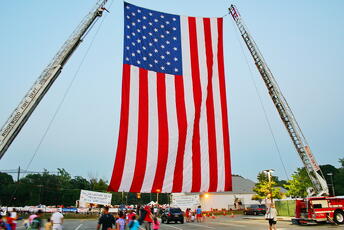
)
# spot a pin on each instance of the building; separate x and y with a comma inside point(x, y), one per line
point(240, 197)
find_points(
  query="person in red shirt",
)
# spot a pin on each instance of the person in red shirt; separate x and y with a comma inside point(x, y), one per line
point(10, 220)
point(130, 215)
point(148, 220)
point(187, 215)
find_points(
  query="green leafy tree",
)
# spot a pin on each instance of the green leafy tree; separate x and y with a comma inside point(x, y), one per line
point(5, 181)
point(297, 186)
point(338, 179)
point(99, 185)
point(264, 187)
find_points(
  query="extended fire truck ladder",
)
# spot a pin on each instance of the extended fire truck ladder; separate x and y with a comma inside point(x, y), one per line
point(320, 186)
point(28, 104)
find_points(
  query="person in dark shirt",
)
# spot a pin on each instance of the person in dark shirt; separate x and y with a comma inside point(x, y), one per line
point(106, 220)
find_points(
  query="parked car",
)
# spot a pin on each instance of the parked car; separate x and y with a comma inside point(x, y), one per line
point(172, 214)
point(255, 209)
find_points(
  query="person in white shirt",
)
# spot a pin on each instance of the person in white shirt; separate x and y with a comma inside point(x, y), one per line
point(57, 220)
point(271, 216)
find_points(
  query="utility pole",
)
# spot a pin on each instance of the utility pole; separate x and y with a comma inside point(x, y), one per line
point(18, 176)
point(332, 184)
point(268, 172)
point(157, 195)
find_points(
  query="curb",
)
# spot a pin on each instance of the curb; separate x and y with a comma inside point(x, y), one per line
point(278, 219)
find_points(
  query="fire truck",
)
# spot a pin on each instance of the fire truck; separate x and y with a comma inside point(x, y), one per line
point(318, 206)
point(319, 209)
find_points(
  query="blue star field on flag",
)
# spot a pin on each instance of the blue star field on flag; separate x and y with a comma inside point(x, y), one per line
point(152, 40)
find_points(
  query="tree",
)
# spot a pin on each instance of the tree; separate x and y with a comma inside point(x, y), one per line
point(262, 188)
point(99, 185)
point(5, 179)
point(341, 161)
point(338, 179)
point(297, 186)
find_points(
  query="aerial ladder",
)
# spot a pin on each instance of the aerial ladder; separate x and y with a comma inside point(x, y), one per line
point(30, 101)
point(320, 187)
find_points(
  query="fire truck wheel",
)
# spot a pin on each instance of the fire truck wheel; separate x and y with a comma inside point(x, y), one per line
point(338, 217)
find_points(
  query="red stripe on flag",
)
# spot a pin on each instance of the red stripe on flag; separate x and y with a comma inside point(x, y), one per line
point(117, 172)
point(163, 134)
point(210, 109)
point(142, 139)
point(182, 128)
point(228, 173)
point(196, 150)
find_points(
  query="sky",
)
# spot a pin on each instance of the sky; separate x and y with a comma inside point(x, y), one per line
point(301, 41)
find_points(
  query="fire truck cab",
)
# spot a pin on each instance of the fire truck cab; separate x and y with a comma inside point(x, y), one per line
point(314, 210)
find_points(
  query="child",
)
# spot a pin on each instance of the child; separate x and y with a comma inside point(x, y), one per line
point(156, 223)
point(192, 217)
point(48, 225)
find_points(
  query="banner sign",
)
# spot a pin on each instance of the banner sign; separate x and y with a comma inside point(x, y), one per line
point(184, 201)
point(95, 197)
point(69, 209)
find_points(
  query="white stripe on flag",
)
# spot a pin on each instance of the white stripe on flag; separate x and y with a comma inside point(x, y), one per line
point(153, 133)
point(203, 119)
point(189, 103)
point(173, 133)
point(217, 108)
point(130, 156)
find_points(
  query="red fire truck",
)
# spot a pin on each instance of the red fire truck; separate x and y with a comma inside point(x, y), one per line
point(315, 210)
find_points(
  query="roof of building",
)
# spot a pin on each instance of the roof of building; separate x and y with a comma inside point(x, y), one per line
point(240, 185)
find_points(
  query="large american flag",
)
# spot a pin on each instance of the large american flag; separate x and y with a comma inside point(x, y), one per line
point(173, 134)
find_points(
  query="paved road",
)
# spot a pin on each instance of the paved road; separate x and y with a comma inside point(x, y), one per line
point(222, 223)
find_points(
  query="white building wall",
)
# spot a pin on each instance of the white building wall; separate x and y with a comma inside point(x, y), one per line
point(224, 201)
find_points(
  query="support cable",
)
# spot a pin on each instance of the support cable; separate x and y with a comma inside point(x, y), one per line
point(63, 98)
point(261, 104)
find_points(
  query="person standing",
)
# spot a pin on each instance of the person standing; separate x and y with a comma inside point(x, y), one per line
point(31, 217)
point(48, 225)
point(130, 215)
point(148, 220)
point(199, 214)
point(271, 216)
point(9, 221)
point(56, 220)
point(156, 223)
point(120, 223)
point(187, 215)
point(106, 220)
point(36, 223)
point(14, 215)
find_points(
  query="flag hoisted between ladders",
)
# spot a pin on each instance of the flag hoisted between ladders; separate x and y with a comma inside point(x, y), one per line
point(174, 134)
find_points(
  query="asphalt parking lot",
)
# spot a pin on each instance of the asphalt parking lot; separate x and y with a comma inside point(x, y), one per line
point(220, 223)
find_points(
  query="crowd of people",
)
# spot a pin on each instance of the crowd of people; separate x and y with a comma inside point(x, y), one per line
point(145, 217)
point(133, 220)
point(34, 222)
